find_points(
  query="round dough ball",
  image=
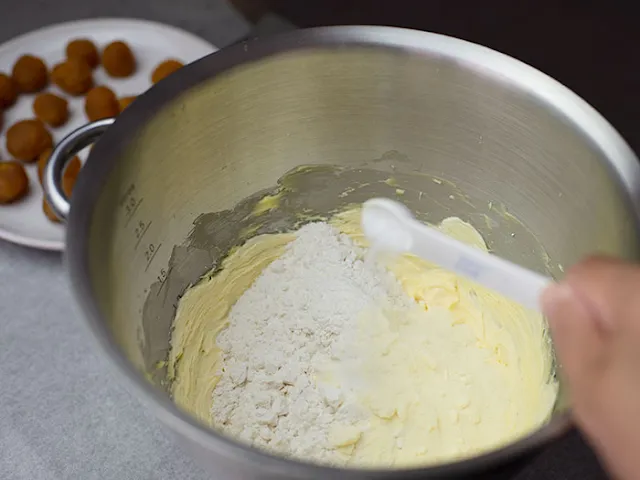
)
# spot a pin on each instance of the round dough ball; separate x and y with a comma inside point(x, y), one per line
point(100, 103)
point(43, 161)
point(30, 74)
point(165, 69)
point(51, 109)
point(8, 91)
point(84, 50)
point(14, 183)
point(126, 101)
point(73, 76)
point(27, 139)
point(118, 60)
point(70, 175)
point(48, 211)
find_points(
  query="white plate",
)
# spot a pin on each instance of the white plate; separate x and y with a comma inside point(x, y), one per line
point(24, 222)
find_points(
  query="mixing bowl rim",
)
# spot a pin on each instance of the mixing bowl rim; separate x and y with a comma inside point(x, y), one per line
point(105, 154)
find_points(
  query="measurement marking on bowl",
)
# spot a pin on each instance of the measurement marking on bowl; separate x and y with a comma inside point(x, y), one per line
point(162, 278)
point(130, 203)
point(150, 253)
point(140, 231)
point(125, 195)
point(131, 210)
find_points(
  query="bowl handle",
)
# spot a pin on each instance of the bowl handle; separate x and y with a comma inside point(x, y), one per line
point(62, 153)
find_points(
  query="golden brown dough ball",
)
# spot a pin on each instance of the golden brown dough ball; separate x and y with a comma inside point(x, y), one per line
point(126, 101)
point(73, 76)
point(100, 103)
point(84, 50)
point(165, 69)
point(51, 109)
point(14, 183)
point(27, 139)
point(48, 211)
point(8, 91)
point(70, 175)
point(43, 161)
point(30, 74)
point(118, 60)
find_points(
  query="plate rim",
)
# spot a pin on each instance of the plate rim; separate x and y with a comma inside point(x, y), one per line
point(33, 242)
point(88, 22)
point(15, 42)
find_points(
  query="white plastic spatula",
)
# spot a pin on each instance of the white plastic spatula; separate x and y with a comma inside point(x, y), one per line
point(390, 226)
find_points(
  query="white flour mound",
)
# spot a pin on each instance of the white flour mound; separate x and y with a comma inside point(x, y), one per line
point(297, 318)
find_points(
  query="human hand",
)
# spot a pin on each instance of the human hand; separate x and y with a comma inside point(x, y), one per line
point(594, 318)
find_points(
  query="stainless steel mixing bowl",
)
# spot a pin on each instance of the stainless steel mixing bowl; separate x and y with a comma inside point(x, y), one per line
point(452, 126)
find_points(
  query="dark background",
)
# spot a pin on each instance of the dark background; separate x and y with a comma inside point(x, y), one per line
point(589, 46)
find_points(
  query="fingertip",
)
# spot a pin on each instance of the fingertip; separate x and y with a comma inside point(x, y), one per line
point(555, 297)
point(573, 329)
point(562, 302)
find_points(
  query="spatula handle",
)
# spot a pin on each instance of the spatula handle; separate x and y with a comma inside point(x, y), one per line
point(513, 281)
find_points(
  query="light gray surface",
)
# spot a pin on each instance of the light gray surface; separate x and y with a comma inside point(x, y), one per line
point(214, 20)
point(62, 415)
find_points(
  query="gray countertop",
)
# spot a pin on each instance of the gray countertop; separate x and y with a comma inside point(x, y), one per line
point(62, 413)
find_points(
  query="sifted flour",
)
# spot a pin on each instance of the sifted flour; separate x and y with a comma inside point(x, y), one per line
point(298, 346)
point(277, 390)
